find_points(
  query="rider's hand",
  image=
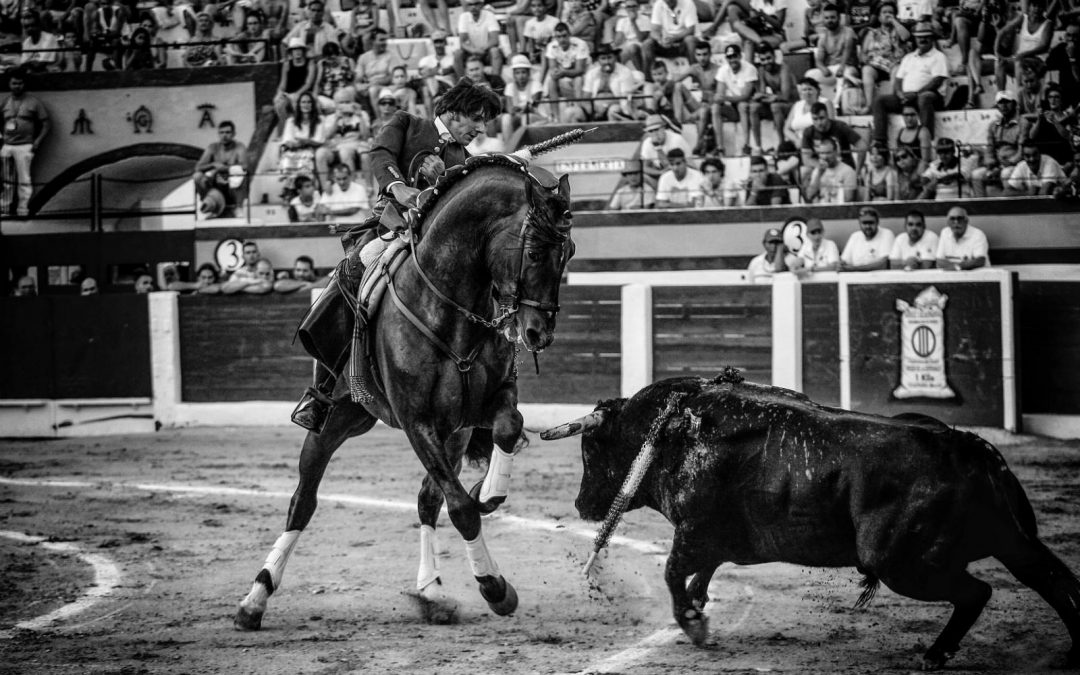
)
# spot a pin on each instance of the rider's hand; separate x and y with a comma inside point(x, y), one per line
point(431, 168)
point(405, 195)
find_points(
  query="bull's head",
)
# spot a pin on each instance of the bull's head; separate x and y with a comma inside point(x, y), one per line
point(605, 462)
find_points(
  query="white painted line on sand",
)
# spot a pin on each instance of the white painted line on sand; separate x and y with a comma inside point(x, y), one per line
point(106, 578)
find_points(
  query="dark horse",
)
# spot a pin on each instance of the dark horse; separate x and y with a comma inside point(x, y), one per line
point(485, 274)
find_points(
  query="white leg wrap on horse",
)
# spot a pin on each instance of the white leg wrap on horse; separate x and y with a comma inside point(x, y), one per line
point(275, 562)
point(479, 559)
point(497, 479)
point(429, 562)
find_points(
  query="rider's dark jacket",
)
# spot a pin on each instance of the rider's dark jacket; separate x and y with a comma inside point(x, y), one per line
point(402, 139)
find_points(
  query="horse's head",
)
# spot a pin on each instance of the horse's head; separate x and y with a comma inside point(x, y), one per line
point(532, 271)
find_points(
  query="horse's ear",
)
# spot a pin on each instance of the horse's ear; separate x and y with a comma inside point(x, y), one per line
point(564, 186)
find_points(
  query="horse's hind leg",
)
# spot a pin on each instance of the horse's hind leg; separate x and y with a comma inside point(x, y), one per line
point(967, 594)
point(1038, 568)
point(346, 419)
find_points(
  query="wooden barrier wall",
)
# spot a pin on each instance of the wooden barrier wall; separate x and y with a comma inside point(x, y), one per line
point(74, 347)
point(698, 330)
point(821, 343)
point(1049, 347)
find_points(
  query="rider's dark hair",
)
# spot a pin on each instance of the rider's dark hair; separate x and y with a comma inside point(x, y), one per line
point(469, 99)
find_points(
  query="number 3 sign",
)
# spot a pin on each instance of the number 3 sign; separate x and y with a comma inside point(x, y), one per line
point(229, 255)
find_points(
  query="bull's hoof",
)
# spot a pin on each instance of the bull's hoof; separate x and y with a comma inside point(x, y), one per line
point(485, 507)
point(935, 659)
point(696, 626)
point(500, 595)
point(248, 618)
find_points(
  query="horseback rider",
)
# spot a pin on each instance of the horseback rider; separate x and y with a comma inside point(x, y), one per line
point(410, 153)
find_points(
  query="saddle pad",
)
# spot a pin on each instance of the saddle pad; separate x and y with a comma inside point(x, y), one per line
point(375, 277)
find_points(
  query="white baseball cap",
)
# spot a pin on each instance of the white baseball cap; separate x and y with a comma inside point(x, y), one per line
point(520, 61)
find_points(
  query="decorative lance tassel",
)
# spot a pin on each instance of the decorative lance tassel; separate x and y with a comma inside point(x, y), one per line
point(552, 144)
point(633, 480)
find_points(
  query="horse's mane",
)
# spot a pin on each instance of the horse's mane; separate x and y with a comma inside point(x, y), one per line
point(454, 175)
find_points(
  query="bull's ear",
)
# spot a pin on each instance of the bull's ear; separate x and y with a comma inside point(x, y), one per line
point(564, 186)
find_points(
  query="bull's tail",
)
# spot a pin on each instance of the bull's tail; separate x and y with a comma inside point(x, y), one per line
point(869, 584)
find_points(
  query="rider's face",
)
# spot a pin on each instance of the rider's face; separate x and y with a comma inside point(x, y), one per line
point(464, 128)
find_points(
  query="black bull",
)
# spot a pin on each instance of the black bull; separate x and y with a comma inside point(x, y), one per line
point(753, 474)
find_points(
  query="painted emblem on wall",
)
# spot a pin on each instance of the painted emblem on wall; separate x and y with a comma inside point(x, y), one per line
point(82, 124)
point(207, 119)
point(922, 347)
point(142, 119)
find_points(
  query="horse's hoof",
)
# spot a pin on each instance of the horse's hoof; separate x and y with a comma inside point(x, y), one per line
point(437, 606)
point(935, 659)
point(696, 627)
point(248, 619)
point(504, 605)
point(485, 507)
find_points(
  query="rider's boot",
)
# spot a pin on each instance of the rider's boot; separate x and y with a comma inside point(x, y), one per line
point(315, 405)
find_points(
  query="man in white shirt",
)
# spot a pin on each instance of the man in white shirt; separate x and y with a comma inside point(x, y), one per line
point(736, 83)
point(818, 254)
point(633, 193)
point(869, 248)
point(1037, 174)
point(36, 55)
point(961, 246)
point(565, 60)
point(915, 248)
point(917, 80)
point(315, 31)
point(680, 186)
point(478, 30)
point(539, 30)
point(612, 83)
point(673, 23)
point(345, 202)
point(765, 265)
point(658, 142)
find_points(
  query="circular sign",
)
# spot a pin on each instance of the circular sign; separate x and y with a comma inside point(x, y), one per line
point(923, 341)
point(794, 234)
point(229, 255)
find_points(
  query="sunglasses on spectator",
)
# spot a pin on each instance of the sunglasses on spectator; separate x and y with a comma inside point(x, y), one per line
point(817, 231)
point(868, 222)
point(957, 219)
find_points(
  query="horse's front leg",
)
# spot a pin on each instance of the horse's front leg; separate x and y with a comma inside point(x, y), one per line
point(465, 516)
point(346, 419)
point(506, 433)
point(437, 605)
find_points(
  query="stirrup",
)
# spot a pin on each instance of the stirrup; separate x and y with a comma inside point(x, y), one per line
point(313, 410)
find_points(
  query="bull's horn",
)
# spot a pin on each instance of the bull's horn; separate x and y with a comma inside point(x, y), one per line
point(578, 426)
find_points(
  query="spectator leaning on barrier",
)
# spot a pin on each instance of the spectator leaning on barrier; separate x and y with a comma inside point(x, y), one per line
point(144, 283)
point(763, 187)
point(250, 255)
point(818, 254)
point(24, 124)
point(916, 247)
point(1035, 174)
point(632, 193)
point(262, 281)
point(303, 277)
point(869, 248)
point(764, 265)
point(831, 181)
point(962, 246)
point(918, 79)
point(88, 286)
point(680, 186)
point(25, 287)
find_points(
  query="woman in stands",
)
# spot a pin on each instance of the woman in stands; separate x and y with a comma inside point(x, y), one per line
point(799, 118)
point(1055, 126)
point(333, 73)
point(140, 55)
point(1026, 35)
point(881, 50)
point(204, 48)
point(297, 78)
point(304, 134)
point(909, 182)
point(877, 179)
point(914, 136)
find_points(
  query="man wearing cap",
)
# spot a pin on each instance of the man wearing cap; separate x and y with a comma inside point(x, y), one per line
point(918, 79)
point(612, 83)
point(945, 178)
point(817, 254)
point(632, 193)
point(764, 265)
point(521, 96)
point(315, 31)
point(961, 246)
point(671, 34)
point(915, 248)
point(1002, 149)
point(869, 248)
point(658, 142)
point(736, 84)
point(680, 186)
point(479, 31)
point(435, 144)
